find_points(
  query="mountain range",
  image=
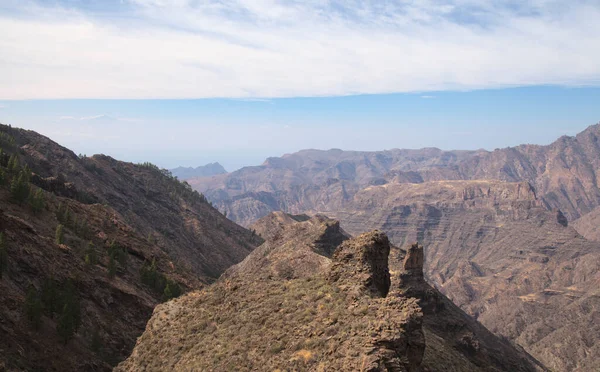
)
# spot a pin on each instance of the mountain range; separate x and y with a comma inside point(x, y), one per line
point(495, 224)
point(326, 275)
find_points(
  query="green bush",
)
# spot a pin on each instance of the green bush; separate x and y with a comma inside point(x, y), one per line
point(60, 234)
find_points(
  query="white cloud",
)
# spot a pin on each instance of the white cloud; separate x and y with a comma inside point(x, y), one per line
point(270, 48)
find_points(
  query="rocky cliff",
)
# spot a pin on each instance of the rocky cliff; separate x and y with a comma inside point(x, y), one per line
point(344, 312)
point(131, 236)
point(500, 255)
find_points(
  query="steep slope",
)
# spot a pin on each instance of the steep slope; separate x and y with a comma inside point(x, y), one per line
point(211, 169)
point(132, 236)
point(499, 255)
point(341, 312)
point(564, 175)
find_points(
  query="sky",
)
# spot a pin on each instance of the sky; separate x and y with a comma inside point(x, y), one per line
point(187, 82)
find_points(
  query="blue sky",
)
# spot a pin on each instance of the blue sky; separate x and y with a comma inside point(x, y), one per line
point(186, 82)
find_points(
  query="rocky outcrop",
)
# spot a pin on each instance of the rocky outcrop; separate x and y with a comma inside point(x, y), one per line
point(293, 249)
point(332, 318)
point(363, 261)
point(500, 255)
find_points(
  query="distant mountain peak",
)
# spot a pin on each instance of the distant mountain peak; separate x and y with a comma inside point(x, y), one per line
point(210, 169)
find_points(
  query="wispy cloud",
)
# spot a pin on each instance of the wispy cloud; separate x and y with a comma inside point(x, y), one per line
point(277, 48)
point(427, 97)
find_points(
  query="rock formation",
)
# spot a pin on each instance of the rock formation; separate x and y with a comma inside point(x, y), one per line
point(498, 249)
point(363, 262)
point(333, 316)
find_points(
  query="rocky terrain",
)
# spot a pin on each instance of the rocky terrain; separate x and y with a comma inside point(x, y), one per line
point(313, 299)
point(502, 257)
point(211, 169)
point(495, 224)
point(88, 247)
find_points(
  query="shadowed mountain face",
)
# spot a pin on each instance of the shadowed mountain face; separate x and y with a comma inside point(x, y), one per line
point(495, 225)
point(185, 173)
point(313, 299)
point(132, 236)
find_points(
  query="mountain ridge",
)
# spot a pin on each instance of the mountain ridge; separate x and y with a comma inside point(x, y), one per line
point(340, 308)
point(83, 269)
point(207, 170)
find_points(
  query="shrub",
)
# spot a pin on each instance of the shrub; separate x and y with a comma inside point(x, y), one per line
point(60, 234)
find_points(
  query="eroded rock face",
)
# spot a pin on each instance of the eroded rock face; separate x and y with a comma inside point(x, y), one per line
point(363, 261)
point(334, 320)
point(413, 262)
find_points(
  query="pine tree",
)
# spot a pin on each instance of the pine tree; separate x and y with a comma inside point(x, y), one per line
point(66, 218)
point(3, 177)
point(19, 188)
point(37, 201)
point(50, 297)
point(33, 308)
point(3, 255)
point(90, 256)
point(66, 324)
point(112, 267)
point(13, 164)
point(84, 230)
point(60, 235)
point(26, 173)
point(167, 293)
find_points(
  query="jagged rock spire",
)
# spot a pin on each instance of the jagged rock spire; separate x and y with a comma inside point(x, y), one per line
point(413, 262)
point(363, 262)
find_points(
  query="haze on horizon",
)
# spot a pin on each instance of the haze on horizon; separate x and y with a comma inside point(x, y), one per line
point(190, 82)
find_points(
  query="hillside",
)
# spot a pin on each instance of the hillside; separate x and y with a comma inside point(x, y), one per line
point(313, 299)
point(495, 225)
point(90, 246)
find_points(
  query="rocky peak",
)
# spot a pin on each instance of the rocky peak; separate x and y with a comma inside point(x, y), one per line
point(363, 262)
point(413, 262)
